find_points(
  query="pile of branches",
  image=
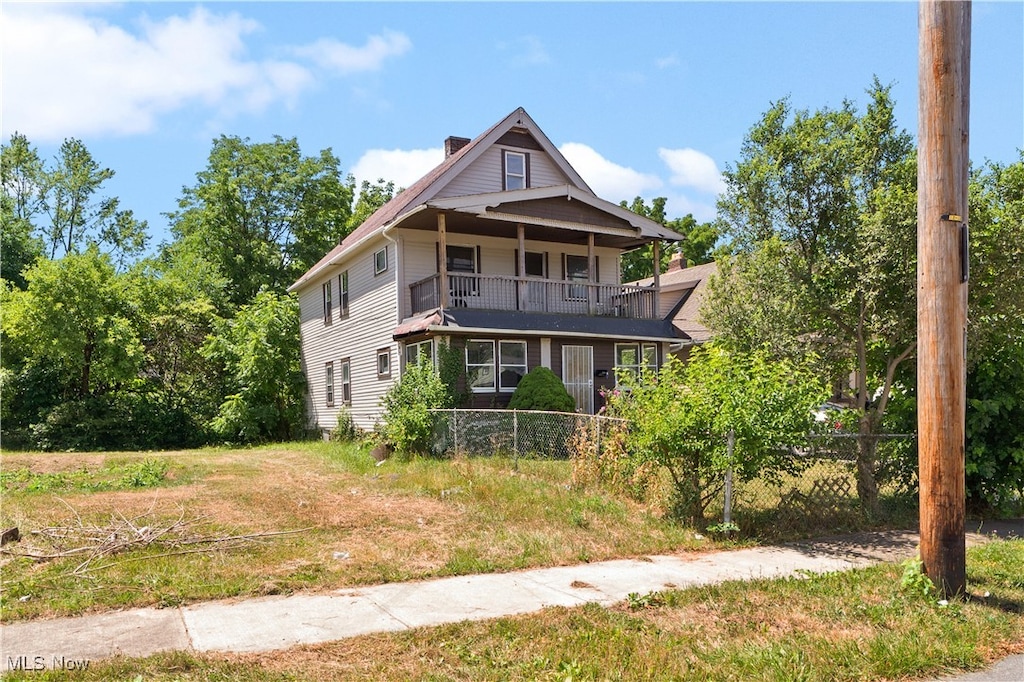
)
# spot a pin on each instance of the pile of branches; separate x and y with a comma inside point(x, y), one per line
point(96, 545)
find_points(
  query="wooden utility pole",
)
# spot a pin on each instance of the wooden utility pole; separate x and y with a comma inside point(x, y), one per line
point(944, 60)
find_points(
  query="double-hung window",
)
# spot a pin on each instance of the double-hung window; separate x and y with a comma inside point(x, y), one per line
point(511, 364)
point(495, 366)
point(416, 353)
point(384, 363)
point(577, 270)
point(343, 294)
point(461, 262)
point(480, 366)
point(515, 167)
point(329, 383)
point(634, 358)
point(328, 303)
point(345, 369)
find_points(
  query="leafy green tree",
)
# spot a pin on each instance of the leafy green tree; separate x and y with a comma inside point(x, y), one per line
point(21, 174)
point(830, 197)
point(371, 197)
point(697, 244)
point(259, 350)
point(75, 312)
point(57, 209)
point(995, 371)
point(681, 419)
point(262, 213)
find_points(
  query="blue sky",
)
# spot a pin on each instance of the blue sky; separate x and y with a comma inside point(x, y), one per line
point(650, 99)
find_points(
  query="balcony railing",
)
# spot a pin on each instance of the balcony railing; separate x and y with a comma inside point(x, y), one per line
point(489, 292)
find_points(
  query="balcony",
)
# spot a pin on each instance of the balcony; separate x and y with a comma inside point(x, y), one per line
point(528, 294)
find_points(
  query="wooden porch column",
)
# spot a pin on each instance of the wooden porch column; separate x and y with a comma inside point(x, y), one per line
point(591, 274)
point(442, 259)
point(657, 278)
point(521, 282)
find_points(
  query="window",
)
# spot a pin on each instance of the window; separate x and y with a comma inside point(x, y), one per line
point(462, 259)
point(536, 264)
point(327, 302)
point(380, 261)
point(343, 294)
point(384, 363)
point(329, 383)
point(480, 366)
point(577, 269)
point(486, 372)
point(515, 166)
point(419, 352)
point(512, 364)
point(632, 357)
point(346, 382)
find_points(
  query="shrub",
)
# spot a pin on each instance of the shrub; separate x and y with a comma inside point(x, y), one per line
point(541, 389)
point(346, 430)
point(408, 425)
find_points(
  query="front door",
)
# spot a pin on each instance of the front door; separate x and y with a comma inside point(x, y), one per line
point(578, 376)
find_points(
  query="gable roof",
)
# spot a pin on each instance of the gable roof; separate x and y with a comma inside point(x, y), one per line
point(690, 285)
point(416, 196)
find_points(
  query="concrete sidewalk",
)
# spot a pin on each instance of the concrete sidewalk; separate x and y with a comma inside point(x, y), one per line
point(270, 623)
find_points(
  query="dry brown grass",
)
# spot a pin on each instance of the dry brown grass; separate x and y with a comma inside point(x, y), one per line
point(366, 524)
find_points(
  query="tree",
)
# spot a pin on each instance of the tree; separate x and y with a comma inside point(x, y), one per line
point(682, 418)
point(371, 197)
point(696, 246)
point(259, 351)
point(408, 425)
point(75, 313)
point(55, 209)
point(262, 213)
point(831, 195)
point(21, 174)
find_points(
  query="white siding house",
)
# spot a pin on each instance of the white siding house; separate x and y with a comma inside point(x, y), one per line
point(504, 251)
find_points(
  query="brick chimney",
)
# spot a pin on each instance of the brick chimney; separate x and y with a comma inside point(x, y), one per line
point(676, 262)
point(454, 144)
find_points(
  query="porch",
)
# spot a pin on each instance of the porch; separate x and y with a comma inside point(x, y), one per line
point(535, 295)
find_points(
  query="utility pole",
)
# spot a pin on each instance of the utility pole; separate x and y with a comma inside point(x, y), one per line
point(944, 58)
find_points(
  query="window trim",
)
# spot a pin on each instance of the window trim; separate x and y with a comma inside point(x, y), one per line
point(493, 387)
point(343, 295)
point(377, 270)
point(328, 302)
point(500, 365)
point(416, 345)
point(506, 174)
point(640, 348)
point(329, 383)
point(345, 372)
point(384, 354)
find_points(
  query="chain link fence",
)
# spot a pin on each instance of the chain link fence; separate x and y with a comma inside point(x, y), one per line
point(818, 491)
point(518, 433)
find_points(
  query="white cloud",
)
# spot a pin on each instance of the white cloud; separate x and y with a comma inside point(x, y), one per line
point(525, 51)
point(691, 168)
point(346, 59)
point(402, 166)
point(665, 62)
point(608, 180)
point(678, 205)
point(99, 78)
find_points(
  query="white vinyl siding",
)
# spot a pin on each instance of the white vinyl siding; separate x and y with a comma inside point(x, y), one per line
point(484, 174)
point(368, 328)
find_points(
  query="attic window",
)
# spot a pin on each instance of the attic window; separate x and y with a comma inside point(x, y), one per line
point(515, 167)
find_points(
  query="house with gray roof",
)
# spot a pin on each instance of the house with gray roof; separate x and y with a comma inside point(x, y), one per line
point(501, 251)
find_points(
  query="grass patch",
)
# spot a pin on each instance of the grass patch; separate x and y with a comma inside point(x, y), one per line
point(853, 625)
point(364, 524)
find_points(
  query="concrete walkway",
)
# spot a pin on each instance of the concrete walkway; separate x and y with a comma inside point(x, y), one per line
point(271, 623)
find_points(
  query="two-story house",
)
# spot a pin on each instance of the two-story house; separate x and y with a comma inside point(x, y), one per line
point(503, 252)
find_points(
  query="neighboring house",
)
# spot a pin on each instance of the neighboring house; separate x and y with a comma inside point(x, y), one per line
point(503, 252)
point(683, 291)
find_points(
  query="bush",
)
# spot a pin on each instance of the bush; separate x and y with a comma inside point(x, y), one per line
point(541, 389)
point(346, 430)
point(408, 423)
